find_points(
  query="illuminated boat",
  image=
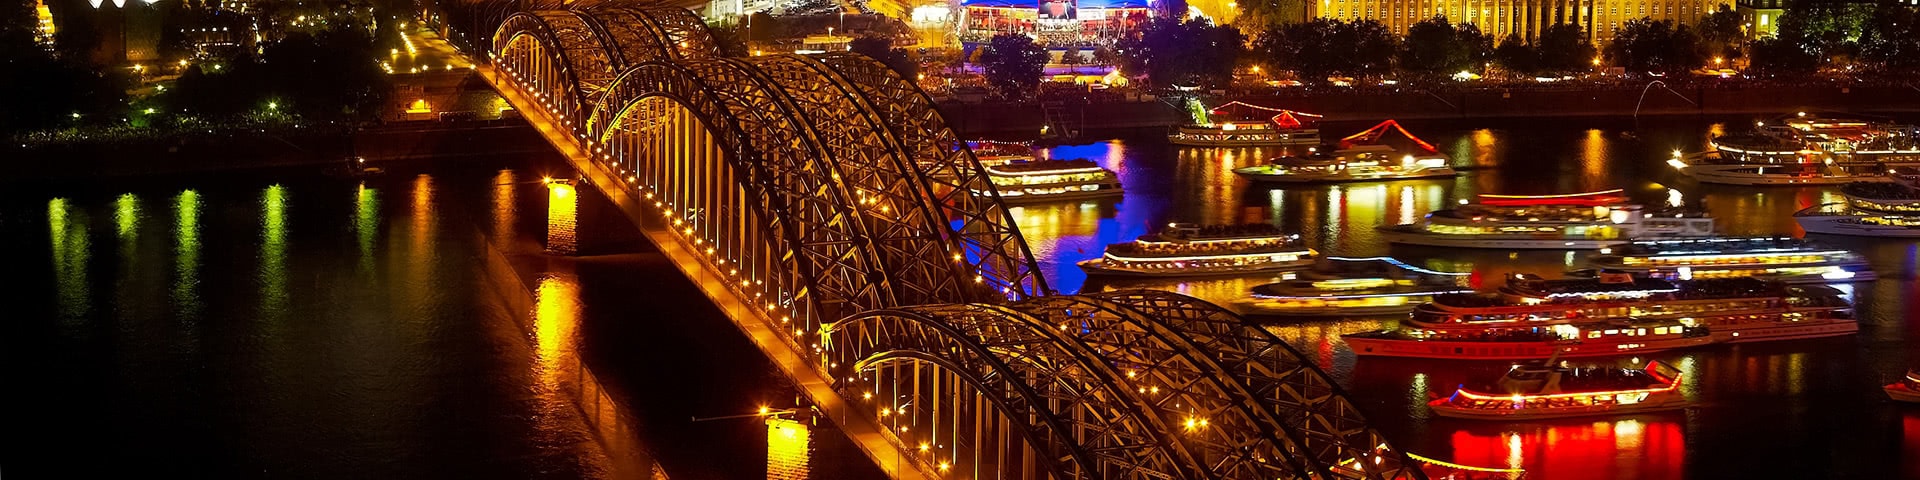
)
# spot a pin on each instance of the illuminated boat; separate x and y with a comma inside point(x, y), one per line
point(1844, 219)
point(1767, 258)
point(1907, 389)
point(1739, 310)
point(1353, 287)
point(1365, 163)
point(992, 153)
point(1520, 342)
point(1779, 174)
point(1045, 180)
point(1532, 392)
point(1581, 221)
point(1285, 127)
point(1185, 249)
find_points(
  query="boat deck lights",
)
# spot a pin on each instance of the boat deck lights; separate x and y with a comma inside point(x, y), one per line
point(1397, 263)
point(1357, 295)
point(1672, 384)
point(1295, 253)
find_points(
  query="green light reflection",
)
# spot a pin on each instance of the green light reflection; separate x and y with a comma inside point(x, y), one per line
point(273, 251)
point(186, 254)
point(67, 228)
point(126, 216)
point(366, 222)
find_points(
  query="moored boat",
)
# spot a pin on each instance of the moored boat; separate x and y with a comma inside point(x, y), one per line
point(1739, 310)
point(1581, 221)
point(1044, 180)
point(1361, 157)
point(1907, 389)
point(1531, 392)
point(1519, 342)
point(1343, 286)
point(1283, 127)
point(1844, 219)
point(1782, 259)
point(1184, 249)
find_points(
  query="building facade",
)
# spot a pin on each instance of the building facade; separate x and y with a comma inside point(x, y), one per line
point(1527, 18)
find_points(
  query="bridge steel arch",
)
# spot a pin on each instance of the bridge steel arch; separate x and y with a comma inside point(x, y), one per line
point(827, 192)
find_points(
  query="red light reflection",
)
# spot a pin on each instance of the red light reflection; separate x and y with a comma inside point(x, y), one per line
point(1639, 448)
point(1910, 444)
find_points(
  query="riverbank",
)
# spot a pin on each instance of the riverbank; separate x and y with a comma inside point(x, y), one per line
point(999, 119)
point(428, 141)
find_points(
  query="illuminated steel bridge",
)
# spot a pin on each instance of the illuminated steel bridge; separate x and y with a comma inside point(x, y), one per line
point(822, 203)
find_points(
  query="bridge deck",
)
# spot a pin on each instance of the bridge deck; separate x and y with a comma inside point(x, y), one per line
point(860, 428)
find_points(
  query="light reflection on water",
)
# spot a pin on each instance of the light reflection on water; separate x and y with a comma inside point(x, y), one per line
point(1804, 384)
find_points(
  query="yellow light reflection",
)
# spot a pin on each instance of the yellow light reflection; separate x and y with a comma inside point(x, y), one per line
point(562, 205)
point(1593, 160)
point(556, 314)
point(787, 442)
point(504, 214)
point(68, 229)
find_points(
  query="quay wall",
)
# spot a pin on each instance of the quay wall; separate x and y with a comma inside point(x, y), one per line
point(1025, 118)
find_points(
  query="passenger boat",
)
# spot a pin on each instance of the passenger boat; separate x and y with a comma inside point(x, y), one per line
point(1844, 219)
point(1805, 149)
point(1907, 389)
point(1580, 221)
point(1044, 180)
point(1284, 127)
point(1781, 259)
point(1185, 249)
point(1602, 338)
point(1533, 392)
point(1343, 286)
point(1739, 310)
point(991, 153)
point(1360, 157)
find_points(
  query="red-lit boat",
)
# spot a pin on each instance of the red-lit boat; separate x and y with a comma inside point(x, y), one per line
point(1579, 221)
point(1595, 339)
point(1739, 310)
point(1531, 392)
point(1907, 389)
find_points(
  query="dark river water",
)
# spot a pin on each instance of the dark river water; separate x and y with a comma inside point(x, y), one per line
point(293, 325)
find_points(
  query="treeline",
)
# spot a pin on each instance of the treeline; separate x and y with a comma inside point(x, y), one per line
point(1882, 38)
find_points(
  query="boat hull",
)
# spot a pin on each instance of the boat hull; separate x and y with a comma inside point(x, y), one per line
point(1311, 179)
point(1846, 225)
point(1392, 234)
point(1253, 308)
point(1061, 197)
point(1100, 267)
point(1195, 142)
point(1900, 393)
point(1849, 273)
point(1666, 402)
point(1779, 331)
point(1727, 175)
point(1469, 350)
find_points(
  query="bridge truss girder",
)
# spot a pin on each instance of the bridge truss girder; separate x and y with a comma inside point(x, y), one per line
point(828, 191)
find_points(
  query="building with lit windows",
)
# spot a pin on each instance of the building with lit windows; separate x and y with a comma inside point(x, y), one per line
point(1600, 18)
point(43, 32)
point(1054, 22)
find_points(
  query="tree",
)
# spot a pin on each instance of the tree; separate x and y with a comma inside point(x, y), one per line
point(1479, 46)
point(1891, 40)
point(1013, 63)
point(1434, 49)
point(731, 37)
point(1564, 48)
point(1071, 57)
point(1721, 34)
point(1325, 47)
point(1372, 45)
point(881, 48)
point(1516, 56)
point(1647, 45)
point(1194, 52)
